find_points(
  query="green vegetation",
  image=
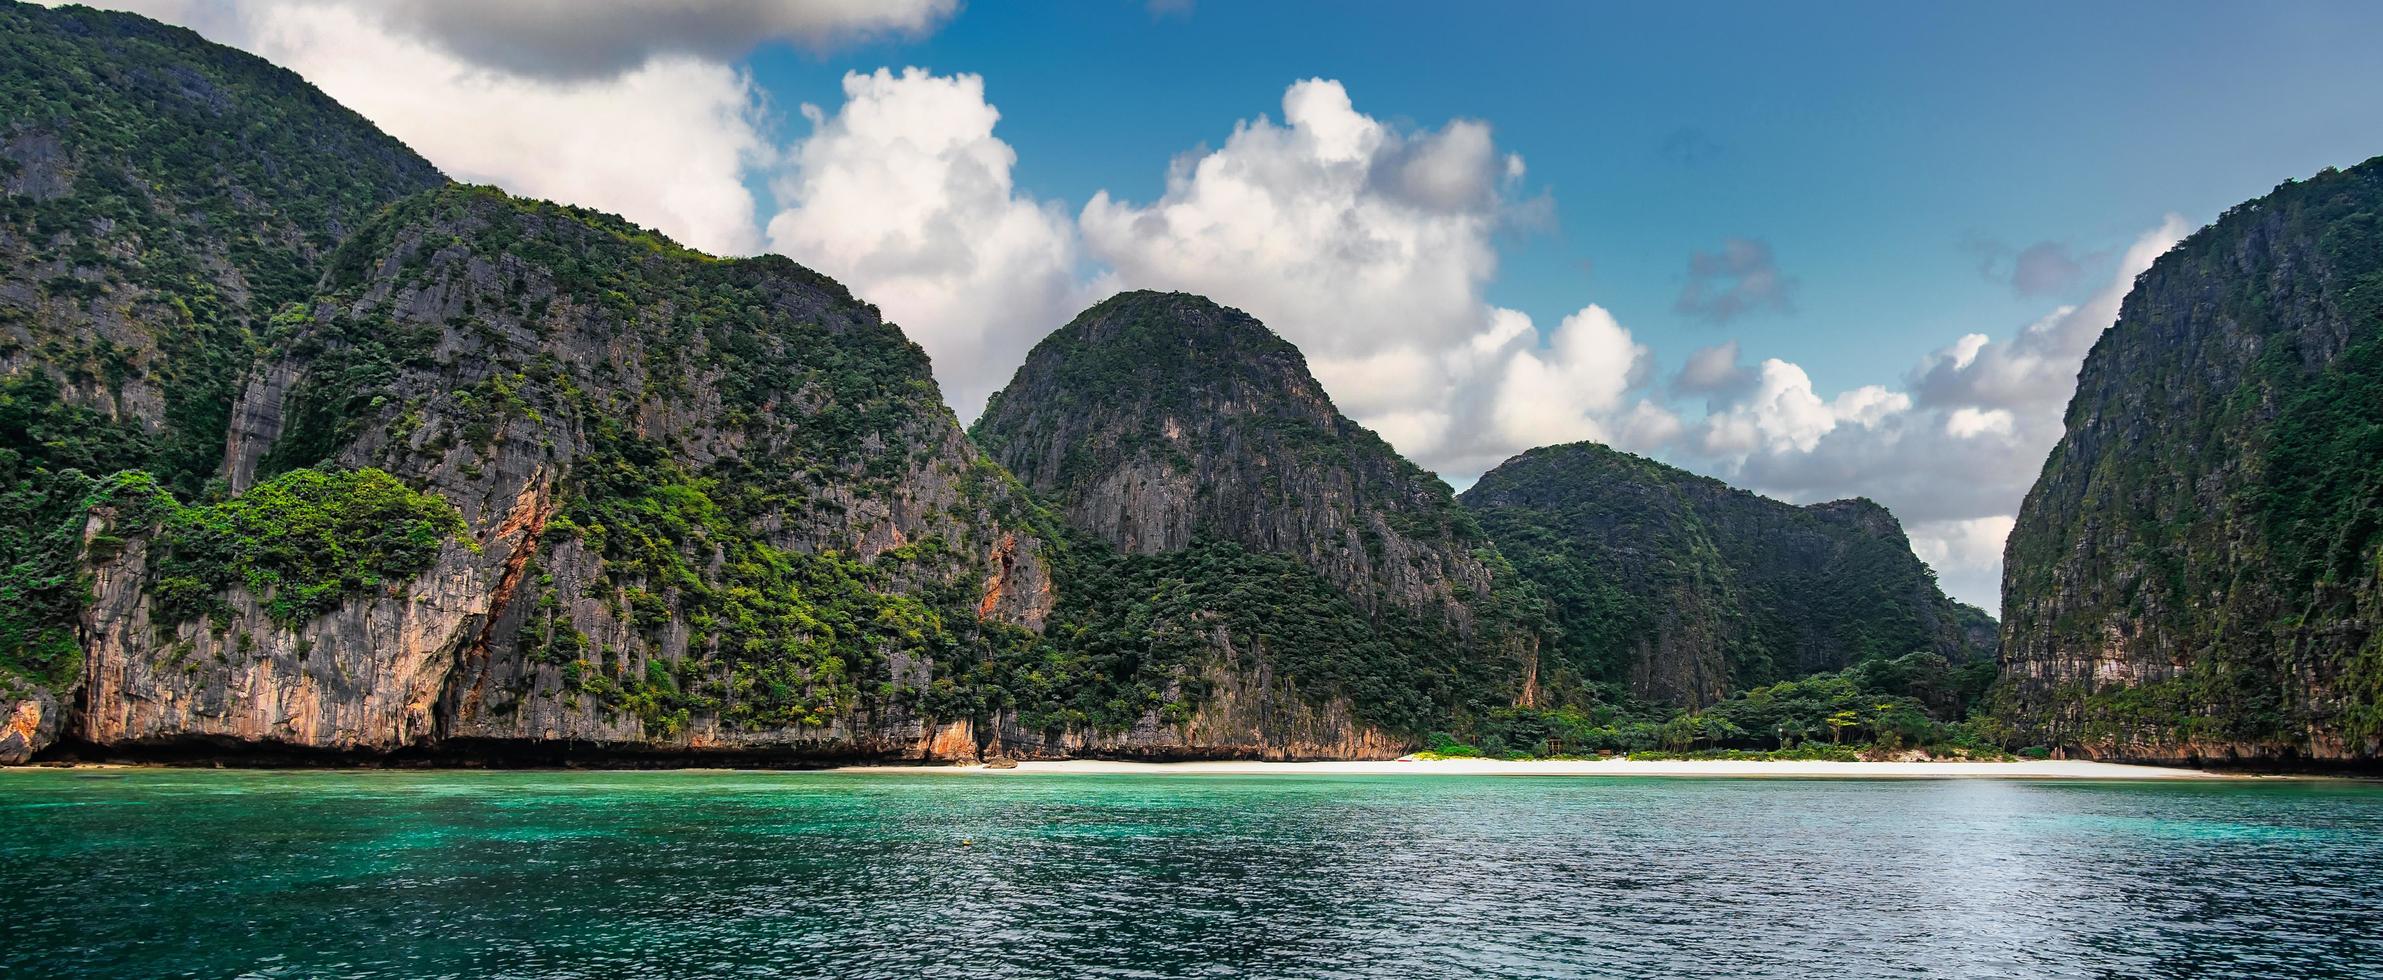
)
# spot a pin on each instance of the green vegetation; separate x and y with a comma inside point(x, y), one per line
point(1135, 633)
point(43, 587)
point(158, 243)
point(176, 239)
point(1172, 383)
point(1915, 701)
point(732, 610)
point(1630, 553)
point(2220, 468)
point(775, 637)
point(300, 543)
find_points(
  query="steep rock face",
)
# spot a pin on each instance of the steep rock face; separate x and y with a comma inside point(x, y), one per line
point(160, 199)
point(1684, 588)
point(1155, 419)
point(471, 475)
point(705, 505)
point(2198, 573)
point(1193, 441)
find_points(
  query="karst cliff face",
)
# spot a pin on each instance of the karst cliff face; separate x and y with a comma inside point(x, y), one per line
point(2198, 573)
point(1683, 588)
point(309, 452)
point(160, 199)
point(1193, 442)
point(704, 505)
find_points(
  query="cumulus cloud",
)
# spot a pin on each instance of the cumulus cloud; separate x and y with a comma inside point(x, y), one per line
point(666, 143)
point(1953, 453)
point(1563, 393)
point(1783, 414)
point(905, 195)
point(1369, 245)
point(1349, 236)
point(1967, 422)
point(1741, 278)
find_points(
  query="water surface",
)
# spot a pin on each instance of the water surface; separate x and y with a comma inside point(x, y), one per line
point(327, 873)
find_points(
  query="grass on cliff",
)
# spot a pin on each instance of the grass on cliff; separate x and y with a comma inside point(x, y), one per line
point(300, 544)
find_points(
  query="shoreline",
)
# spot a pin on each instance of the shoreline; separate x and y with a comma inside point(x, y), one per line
point(1698, 768)
point(2044, 769)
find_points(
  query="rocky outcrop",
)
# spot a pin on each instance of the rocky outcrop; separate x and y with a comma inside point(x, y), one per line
point(729, 514)
point(160, 198)
point(1157, 419)
point(30, 724)
point(2198, 573)
point(685, 507)
point(163, 197)
point(1683, 589)
point(1163, 423)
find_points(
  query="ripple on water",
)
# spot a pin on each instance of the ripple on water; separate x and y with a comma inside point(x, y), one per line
point(776, 874)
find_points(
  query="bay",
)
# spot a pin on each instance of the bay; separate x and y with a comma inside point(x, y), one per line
point(218, 873)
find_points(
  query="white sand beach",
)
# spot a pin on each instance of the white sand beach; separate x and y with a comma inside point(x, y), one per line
point(2044, 769)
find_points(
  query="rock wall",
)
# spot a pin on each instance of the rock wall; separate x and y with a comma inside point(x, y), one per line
point(1163, 423)
point(499, 383)
point(1685, 589)
point(2198, 573)
point(1154, 419)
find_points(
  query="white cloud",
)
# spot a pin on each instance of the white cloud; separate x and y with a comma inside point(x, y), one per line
point(905, 195)
point(665, 144)
point(1565, 392)
point(1966, 422)
point(1347, 236)
point(1955, 456)
point(1783, 414)
point(1370, 245)
point(1712, 370)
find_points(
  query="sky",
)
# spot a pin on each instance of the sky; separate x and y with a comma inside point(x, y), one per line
point(1817, 250)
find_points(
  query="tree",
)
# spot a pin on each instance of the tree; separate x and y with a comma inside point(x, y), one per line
point(1839, 722)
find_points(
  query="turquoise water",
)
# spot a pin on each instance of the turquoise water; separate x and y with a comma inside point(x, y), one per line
point(466, 874)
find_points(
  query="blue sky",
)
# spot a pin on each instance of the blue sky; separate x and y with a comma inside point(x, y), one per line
point(1819, 250)
point(1867, 142)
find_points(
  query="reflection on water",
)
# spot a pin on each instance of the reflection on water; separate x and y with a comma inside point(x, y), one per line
point(201, 873)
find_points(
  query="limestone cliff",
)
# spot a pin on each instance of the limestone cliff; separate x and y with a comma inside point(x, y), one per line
point(1191, 439)
point(1684, 588)
point(297, 464)
point(705, 505)
point(160, 199)
point(2198, 573)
